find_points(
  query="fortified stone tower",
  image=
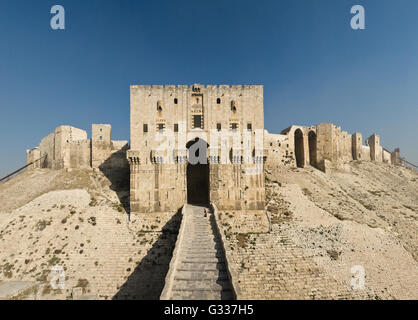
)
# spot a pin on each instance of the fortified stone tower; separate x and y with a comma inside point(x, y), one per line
point(100, 143)
point(172, 126)
point(375, 148)
point(357, 143)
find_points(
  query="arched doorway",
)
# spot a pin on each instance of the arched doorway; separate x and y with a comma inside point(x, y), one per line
point(299, 149)
point(197, 172)
point(312, 148)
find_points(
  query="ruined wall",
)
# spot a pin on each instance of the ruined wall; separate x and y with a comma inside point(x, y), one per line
point(333, 143)
point(357, 142)
point(365, 151)
point(31, 156)
point(68, 147)
point(106, 153)
point(297, 148)
point(386, 156)
point(101, 144)
point(278, 150)
point(396, 157)
point(375, 148)
point(57, 146)
point(344, 143)
point(322, 145)
point(80, 154)
point(47, 149)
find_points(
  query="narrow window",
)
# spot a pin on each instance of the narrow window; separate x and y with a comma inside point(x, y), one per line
point(145, 128)
point(218, 126)
point(218, 101)
point(176, 127)
point(176, 101)
point(101, 138)
point(249, 127)
point(233, 106)
point(234, 126)
point(197, 121)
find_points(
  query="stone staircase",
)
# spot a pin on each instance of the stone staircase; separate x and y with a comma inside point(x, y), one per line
point(199, 271)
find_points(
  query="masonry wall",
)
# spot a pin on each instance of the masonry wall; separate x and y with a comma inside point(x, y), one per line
point(386, 157)
point(365, 151)
point(80, 154)
point(101, 144)
point(357, 142)
point(170, 107)
point(396, 157)
point(323, 143)
point(278, 150)
point(32, 156)
point(68, 147)
point(47, 149)
point(375, 149)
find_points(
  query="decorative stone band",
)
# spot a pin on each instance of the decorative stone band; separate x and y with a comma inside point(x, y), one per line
point(232, 273)
point(133, 157)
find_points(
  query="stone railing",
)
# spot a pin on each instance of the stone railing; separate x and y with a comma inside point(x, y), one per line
point(230, 266)
point(169, 279)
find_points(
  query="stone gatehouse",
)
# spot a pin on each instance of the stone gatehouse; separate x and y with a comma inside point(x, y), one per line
point(221, 126)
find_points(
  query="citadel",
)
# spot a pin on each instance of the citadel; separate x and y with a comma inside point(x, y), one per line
point(221, 126)
point(215, 206)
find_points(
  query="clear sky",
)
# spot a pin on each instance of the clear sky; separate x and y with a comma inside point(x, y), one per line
point(313, 66)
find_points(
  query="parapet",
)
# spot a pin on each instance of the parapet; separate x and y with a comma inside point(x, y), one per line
point(209, 87)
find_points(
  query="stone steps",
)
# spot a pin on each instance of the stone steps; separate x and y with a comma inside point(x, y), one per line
point(201, 272)
point(198, 255)
point(216, 275)
point(202, 295)
point(200, 285)
point(203, 259)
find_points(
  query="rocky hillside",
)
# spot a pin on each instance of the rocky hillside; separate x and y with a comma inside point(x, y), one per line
point(322, 225)
point(358, 214)
point(77, 220)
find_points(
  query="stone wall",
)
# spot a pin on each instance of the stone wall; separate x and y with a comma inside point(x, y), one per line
point(79, 154)
point(68, 147)
point(386, 156)
point(32, 156)
point(278, 150)
point(163, 127)
point(323, 144)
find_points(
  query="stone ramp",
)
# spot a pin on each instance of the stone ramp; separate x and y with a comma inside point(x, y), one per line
point(199, 270)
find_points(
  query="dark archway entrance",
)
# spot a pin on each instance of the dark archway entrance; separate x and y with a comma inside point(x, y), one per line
point(312, 148)
point(299, 149)
point(197, 172)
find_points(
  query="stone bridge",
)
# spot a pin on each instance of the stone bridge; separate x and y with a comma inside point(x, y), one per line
point(198, 269)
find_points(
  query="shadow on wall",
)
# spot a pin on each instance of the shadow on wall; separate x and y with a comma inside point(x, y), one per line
point(148, 279)
point(116, 169)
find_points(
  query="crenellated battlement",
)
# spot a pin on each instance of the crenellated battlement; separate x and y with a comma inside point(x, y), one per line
point(190, 87)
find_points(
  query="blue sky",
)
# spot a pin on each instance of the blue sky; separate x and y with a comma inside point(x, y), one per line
point(313, 66)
